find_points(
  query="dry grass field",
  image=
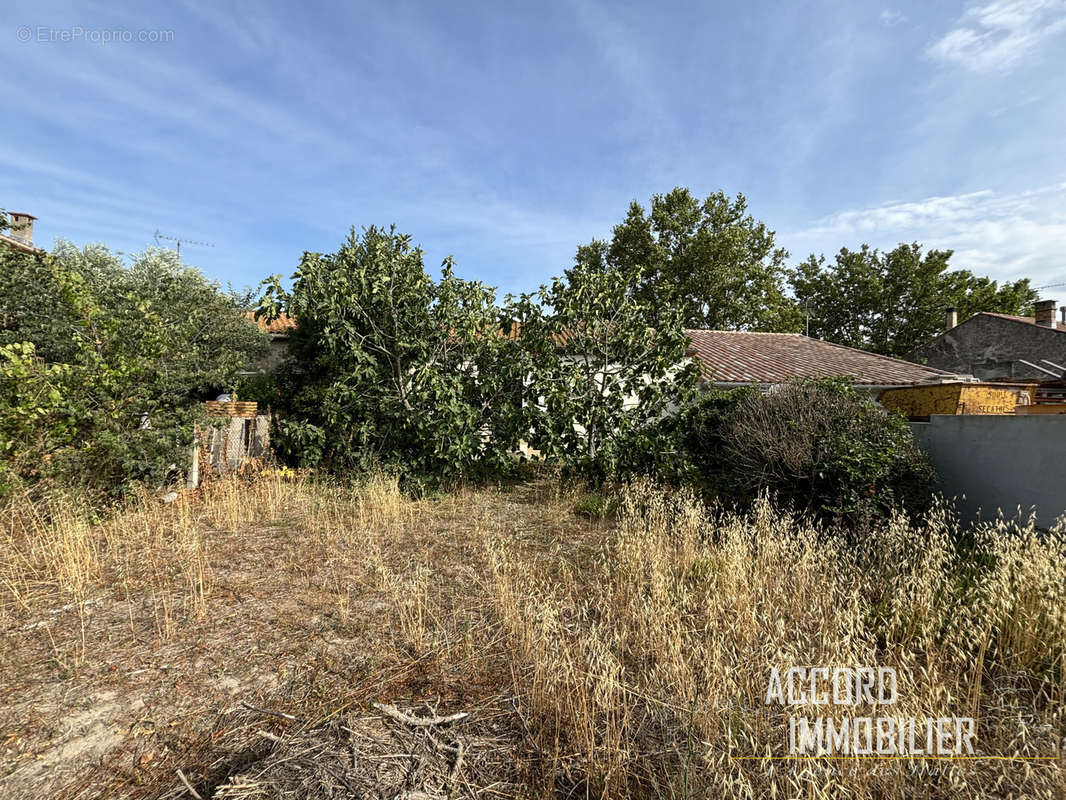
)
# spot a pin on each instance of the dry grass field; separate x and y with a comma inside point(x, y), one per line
point(281, 637)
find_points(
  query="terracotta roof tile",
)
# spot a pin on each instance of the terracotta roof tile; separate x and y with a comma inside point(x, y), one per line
point(282, 326)
point(768, 358)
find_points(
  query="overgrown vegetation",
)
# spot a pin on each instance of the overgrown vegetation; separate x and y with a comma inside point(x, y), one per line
point(102, 365)
point(817, 446)
point(438, 381)
point(433, 380)
point(627, 659)
point(649, 669)
point(604, 368)
point(611, 638)
point(389, 367)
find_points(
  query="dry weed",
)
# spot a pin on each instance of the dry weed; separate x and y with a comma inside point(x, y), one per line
point(630, 660)
point(647, 674)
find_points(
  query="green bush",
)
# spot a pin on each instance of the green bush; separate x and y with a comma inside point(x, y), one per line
point(829, 449)
point(686, 448)
point(820, 445)
point(103, 366)
point(261, 388)
point(595, 505)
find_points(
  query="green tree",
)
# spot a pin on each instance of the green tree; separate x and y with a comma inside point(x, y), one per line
point(709, 260)
point(605, 365)
point(892, 302)
point(390, 367)
point(111, 362)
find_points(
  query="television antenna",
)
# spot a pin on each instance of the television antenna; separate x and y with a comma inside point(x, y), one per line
point(178, 241)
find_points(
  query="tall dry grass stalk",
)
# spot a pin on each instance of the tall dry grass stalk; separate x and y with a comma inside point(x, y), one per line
point(647, 674)
point(639, 667)
point(61, 557)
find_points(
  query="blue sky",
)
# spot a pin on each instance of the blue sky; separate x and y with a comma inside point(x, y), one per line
point(506, 134)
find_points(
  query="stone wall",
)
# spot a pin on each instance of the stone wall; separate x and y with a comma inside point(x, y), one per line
point(990, 347)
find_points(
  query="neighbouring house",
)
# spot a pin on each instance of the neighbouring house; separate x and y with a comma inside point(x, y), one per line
point(20, 233)
point(742, 358)
point(998, 347)
point(279, 331)
point(1002, 463)
point(919, 403)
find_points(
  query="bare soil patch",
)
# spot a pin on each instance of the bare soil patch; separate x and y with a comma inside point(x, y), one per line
point(317, 602)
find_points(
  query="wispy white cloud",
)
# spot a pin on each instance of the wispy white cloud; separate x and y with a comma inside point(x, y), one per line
point(997, 36)
point(622, 51)
point(1005, 235)
point(890, 18)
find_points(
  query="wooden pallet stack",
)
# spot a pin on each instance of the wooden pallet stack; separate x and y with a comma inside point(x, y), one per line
point(237, 435)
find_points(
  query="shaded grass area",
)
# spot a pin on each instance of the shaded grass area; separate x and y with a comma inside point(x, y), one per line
point(625, 656)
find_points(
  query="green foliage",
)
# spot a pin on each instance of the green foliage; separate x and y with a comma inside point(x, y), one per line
point(261, 388)
point(603, 366)
point(391, 368)
point(893, 302)
point(595, 505)
point(692, 443)
point(828, 448)
point(820, 445)
point(102, 366)
point(36, 417)
point(710, 262)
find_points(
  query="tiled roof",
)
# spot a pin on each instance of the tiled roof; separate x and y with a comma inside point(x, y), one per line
point(1027, 320)
point(282, 326)
point(768, 358)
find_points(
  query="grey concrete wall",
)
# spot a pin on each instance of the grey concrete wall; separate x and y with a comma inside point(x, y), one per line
point(999, 462)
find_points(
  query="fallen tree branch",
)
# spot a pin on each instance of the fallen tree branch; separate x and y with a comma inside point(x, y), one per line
point(281, 714)
point(418, 722)
point(192, 791)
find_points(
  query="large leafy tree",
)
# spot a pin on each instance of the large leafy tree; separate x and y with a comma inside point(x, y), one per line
point(110, 362)
point(709, 261)
point(892, 302)
point(390, 367)
point(604, 365)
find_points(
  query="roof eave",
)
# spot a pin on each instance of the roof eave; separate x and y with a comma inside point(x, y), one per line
point(856, 384)
point(19, 244)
